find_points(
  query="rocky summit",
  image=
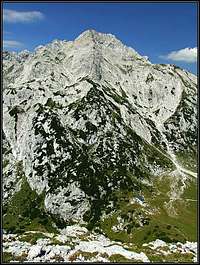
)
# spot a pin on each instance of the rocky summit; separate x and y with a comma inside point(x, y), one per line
point(96, 136)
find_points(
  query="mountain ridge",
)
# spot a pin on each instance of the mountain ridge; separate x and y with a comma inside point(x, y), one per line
point(90, 122)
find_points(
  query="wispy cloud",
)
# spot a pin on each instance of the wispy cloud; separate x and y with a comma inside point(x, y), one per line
point(12, 44)
point(5, 32)
point(188, 55)
point(13, 16)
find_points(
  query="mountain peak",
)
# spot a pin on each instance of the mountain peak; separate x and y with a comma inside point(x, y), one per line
point(103, 38)
point(90, 33)
point(92, 134)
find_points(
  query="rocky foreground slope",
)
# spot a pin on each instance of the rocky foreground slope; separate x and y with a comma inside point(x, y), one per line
point(77, 244)
point(94, 134)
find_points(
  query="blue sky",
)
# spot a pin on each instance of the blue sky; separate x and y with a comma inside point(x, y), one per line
point(165, 32)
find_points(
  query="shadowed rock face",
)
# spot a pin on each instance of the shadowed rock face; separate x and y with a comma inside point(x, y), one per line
point(89, 117)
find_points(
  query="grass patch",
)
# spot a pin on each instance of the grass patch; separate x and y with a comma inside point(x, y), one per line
point(7, 257)
point(86, 255)
point(5, 162)
point(25, 210)
point(182, 226)
point(178, 257)
point(31, 238)
point(159, 224)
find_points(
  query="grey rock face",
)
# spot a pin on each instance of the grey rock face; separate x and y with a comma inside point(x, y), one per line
point(84, 116)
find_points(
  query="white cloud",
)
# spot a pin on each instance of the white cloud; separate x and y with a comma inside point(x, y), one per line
point(13, 16)
point(188, 55)
point(6, 32)
point(12, 44)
